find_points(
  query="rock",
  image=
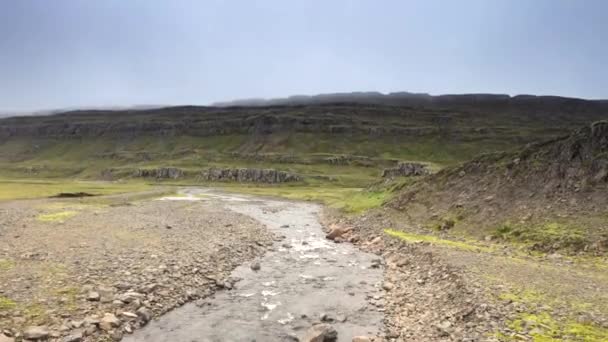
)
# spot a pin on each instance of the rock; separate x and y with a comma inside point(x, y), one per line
point(163, 172)
point(321, 333)
point(74, 336)
point(4, 338)
point(128, 314)
point(109, 322)
point(255, 266)
point(93, 296)
point(405, 169)
point(130, 296)
point(285, 226)
point(249, 175)
point(144, 314)
point(362, 339)
point(387, 286)
point(36, 333)
point(337, 231)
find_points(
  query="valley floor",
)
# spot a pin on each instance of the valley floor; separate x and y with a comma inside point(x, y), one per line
point(99, 268)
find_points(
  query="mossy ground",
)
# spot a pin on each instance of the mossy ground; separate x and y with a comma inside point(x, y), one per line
point(37, 188)
point(544, 236)
point(543, 325)
point(434, 240)
point(349, 200)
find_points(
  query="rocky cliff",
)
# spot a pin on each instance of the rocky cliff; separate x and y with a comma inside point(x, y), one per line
point(268, 176)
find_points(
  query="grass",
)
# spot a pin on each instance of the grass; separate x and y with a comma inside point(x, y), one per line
point(24, 188)
point(543, 326)
point(349, 200)
point(6, 264)
point(433, 240)
point(544, 236)
point(56, 217)
point(7, 304)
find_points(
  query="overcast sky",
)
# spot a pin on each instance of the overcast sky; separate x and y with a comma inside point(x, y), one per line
point(66, 53)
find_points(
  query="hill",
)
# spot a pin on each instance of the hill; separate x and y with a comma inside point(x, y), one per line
point(548, 196)
point(346, 144)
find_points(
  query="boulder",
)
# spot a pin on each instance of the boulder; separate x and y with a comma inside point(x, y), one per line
point(405, 169)
point(321, 333)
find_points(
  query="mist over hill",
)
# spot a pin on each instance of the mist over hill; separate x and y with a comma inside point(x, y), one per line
point(419, 100)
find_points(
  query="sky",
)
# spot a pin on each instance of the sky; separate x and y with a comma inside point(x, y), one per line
point(79, 53)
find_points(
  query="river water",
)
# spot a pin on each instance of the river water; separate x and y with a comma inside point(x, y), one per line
point(302, 279)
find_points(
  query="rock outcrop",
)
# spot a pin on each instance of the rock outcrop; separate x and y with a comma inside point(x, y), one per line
point(248, 175)
point(160, 173)
point(406, 170)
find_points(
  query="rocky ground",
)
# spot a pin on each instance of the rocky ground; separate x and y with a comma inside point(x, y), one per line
point(95, 269)
point(452, 291)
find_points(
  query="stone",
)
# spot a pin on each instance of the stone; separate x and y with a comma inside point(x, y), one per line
point(255, 266)
point(405, 169)
point(249, 175)
point(144, 314)
point(93, 296)
point(321, 333)
point(36, 333)
point(337, 232)
point(362, 339)
point(4, 338)
point(109, 322)
point(128, 314)
point(74, 336)
point(388, 286)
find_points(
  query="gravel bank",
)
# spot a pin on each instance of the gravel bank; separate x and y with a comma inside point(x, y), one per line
point(91, 270)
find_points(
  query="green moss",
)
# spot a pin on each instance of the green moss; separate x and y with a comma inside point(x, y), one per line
point(6, 264)
point(546, 236)
point(543, 325)
point(6, 304)
point(409, 237)
point(56, 217)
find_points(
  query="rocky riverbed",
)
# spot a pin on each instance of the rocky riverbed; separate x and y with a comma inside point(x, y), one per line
point(96, 269)
point(305, 288)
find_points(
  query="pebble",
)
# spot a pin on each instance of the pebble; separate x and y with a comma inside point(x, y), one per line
point(255, 266)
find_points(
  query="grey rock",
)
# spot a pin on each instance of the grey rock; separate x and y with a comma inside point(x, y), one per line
point(109, 322)
point(321, 333)
point(36, 333)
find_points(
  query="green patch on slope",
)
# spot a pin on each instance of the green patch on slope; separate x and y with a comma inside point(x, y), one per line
point(434, 240)
point(545, 236)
